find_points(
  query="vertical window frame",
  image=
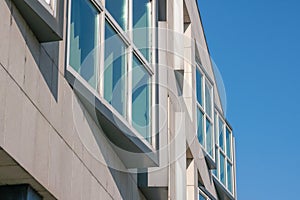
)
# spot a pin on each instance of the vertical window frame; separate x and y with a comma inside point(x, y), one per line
point(220, 151)
point(205, 81)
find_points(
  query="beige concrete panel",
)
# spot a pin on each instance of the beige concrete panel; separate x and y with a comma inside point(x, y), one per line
point(5, 29)
point(3, 91)
point(77, 178)
point(60, 165)
point(13, 118)
point(17, 46)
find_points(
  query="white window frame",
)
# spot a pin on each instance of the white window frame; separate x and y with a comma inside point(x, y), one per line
point(205, 80)
point(50, 6)
point(219, 151)
point(200, 192)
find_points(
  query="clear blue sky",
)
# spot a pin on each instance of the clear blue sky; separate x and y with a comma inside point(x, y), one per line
point(256, 45)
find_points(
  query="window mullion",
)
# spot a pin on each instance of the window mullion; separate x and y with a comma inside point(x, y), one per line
point(101, 54)
point(129, 84)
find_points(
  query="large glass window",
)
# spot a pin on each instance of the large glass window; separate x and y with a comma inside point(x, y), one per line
point(83, 40)
point(205, 129)
point(141, 24)
point(119, 11)
point(114, 70)
point(106, 67)
point(225, 154)
point(141, 99)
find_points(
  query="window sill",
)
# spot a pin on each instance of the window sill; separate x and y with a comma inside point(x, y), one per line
point(133, 150)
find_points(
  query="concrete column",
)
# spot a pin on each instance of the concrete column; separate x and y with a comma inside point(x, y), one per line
point(191, 180)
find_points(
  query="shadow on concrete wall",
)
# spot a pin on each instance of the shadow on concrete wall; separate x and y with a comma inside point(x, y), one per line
point(46, 55)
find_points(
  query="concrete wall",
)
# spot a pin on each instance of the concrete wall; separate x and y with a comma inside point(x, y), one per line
point(40, 116)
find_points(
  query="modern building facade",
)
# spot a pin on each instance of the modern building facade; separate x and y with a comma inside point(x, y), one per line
point(110, 99)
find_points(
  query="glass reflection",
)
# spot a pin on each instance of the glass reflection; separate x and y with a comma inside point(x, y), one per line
point(83, 40)
point(141, 99)
point(114, 70)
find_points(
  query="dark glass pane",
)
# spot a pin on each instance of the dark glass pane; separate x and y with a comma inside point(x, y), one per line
point(228, 142)
point(114, 70)
point(208, 100)
point(118, 9)
point(83, 40)
point(201, 197)
point(141, 99)
point(200, 129)
point(209, 138)
point(199, 86)
point(229, 177)
point(222, 168)
point(221, 134)
point(141, 24)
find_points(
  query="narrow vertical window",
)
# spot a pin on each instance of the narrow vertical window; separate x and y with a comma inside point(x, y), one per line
point(114, 70)
point(229, 177)
point(119, 11)
point(200, 131)
point(222, 168)
point(83, 40)
point(208, 99)
point(209, 138)
point(199, 86)
point(141, 99)
point(221, 134)
point(228, 142)
point(141, 24)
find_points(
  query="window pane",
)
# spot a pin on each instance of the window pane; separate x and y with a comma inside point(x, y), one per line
point(200, 129)
point(222, 168)
point(141, 99)
point(228, 142)
point(221, 134)
point(83, 40)
point(229, 177)
point(209, 138)
point(141, 24)
point(208, 100)
point(199, 86)
point(118, 9)
point(114, 70)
